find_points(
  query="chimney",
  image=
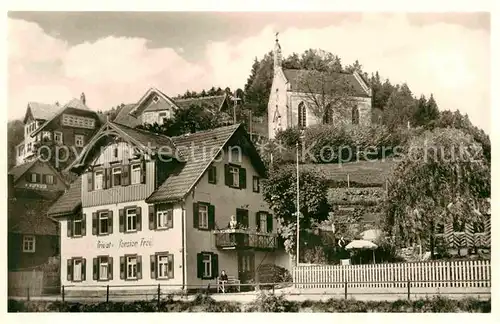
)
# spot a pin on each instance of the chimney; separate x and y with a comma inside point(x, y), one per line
point(82, 98)
point(57, 103)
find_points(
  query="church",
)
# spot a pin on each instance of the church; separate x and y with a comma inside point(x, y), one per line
point(302, 98)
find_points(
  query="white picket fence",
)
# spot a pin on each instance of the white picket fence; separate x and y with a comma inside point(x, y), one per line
point(395, 275)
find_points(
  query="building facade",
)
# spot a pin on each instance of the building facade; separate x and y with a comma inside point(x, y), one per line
point(159, 216)
point(295, 94)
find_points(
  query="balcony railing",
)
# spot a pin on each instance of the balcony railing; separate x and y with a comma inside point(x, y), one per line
point(244, 239)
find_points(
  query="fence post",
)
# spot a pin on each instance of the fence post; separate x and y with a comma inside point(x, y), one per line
point(28, 293)
point(409, 289)
point(345, 289)
point(62, 293)
point(107, 293)
point(159, 295)
point(273, 289)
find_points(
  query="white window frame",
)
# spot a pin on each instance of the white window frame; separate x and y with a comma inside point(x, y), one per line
point(33, 178)
point(156, 99)
point(51, 177)
point(115, 171)
point(235, 173)
point(207, 265)
point(160, 263)
point(78, 220)
point(256, 184)
point(79, 272)
point(203, 216)
point(58, 137)
point(135, 174)
point(99, 175)
point(100, 218)
point(132, 214)
point(131, 265)
point(164, 215)
point(79, 140)
point(29, 242)
point(263, 222)
point(101, 264)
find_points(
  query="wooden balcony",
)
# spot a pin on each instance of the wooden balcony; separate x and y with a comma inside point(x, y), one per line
point(240, 239)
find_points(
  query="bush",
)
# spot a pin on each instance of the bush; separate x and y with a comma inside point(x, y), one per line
point(270, 303)
point(268, 273)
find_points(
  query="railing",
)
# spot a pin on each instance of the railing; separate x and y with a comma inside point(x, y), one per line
point(460, 274)
point(244, 239)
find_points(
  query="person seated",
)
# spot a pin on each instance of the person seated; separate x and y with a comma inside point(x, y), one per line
point(223, 279)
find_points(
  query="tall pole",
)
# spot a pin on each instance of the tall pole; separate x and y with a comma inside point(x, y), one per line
point(298, 206)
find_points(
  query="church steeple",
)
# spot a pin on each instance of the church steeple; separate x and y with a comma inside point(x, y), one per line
point(277, 54)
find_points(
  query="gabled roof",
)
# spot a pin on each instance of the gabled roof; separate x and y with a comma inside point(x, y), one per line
point(40, 111)
point(73, 103)
point(180, 183)
point(21, 169)
point(297, 80)
point(214, 102)
point(147, 94)
point(125, 118)
point(29, 216)
point(69, 202)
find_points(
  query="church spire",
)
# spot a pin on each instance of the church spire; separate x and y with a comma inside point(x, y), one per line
point(277, 53)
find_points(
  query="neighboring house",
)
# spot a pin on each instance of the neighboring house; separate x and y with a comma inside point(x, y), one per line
point(290, 104)
point(37, 176)
point(71, 126)
point(141, 216)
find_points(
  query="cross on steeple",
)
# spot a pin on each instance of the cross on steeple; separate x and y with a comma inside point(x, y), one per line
point(277, 33)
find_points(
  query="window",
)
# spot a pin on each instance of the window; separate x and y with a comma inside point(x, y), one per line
point(58, 137)
point(29, 243)
point(131, 216)
point(256, 184)
point(49, 179)
point(77, 269)
point(78, 225)
point(117, 176)
point(203, 216)
point(79, 140)
point(99, 180)
point(78, 121)
point(131, 267)
point(212, 174)
point(163, 266)
point(262, 222)
point(29, 147)
point(165, 218)
point(34, 178)
point(162, 118)
point(235, 174)
point(135, 174)
point(355, 116)
point(302, 115)
point(103, 268)
point(103, 223)
point(207, 266)
point(46, 136)
point(115, 152)
point(156, 99)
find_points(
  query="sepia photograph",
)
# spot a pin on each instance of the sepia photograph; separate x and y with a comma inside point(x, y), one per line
point(205, 161)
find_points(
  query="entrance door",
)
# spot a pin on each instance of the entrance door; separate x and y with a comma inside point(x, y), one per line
point(246, 266)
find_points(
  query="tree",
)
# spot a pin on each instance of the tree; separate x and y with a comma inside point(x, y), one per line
point(426, 111)
point(441, 168)
point(257, 92)
point(15, 135)
point(400, 108)
point(280, 192)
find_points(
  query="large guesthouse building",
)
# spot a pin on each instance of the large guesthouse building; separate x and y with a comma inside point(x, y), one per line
point(149, 209)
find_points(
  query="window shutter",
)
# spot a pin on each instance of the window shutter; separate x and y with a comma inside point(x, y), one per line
point(171, 266)
point(95, 269)
point(199, 261)
point(110, 222)
point(121, 220)
point(94, 223)
point(69, 270)
point(139, 218)
point(84, 269)
point(151, 217)
point(38, 178)
point(69, 224)
point(214, 174)
point(143, 172)
point(54, 180)
point(110, 268)
point(139, 267)
point(90, 181)
point(122, 267)
point(227, 176)
point(84, 224)
point(243, 178)
point(257, 221)
point(44, 178)
point(215, 266)
point(170, 220)
point(211, 217)
point(108, 177)
point(28, 177)
point(269, 223)
point(152, 261)
point(125, 175)
point(195, 215)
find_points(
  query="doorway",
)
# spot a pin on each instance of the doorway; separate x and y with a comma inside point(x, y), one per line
point(246, 266)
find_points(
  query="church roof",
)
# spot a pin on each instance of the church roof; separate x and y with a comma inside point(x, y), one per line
point(299, 82)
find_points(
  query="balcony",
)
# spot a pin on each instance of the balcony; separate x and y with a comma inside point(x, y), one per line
point(241, 239)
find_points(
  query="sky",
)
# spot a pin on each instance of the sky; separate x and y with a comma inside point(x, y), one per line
point(115, 57)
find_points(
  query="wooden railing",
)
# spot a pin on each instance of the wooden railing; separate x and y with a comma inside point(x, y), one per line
point(244, 239)
point(395, 275)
